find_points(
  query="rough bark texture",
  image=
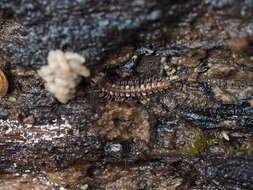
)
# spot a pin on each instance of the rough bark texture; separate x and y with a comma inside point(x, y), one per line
point(197, 135)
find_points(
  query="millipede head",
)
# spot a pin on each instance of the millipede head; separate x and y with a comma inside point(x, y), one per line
point(98, 79)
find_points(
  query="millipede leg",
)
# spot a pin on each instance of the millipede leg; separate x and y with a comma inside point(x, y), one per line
point(101, 95)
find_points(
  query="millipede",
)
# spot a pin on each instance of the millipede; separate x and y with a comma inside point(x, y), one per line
point(130, 88)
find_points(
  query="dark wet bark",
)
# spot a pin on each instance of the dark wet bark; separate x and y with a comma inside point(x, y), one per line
point(196, 135)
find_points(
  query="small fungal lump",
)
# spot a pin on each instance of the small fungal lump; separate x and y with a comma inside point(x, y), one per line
point(63, 73)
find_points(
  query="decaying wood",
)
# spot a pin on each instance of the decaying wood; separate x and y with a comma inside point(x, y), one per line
point(190, 137)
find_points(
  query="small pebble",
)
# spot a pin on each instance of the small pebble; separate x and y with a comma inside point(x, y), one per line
point(238, 44)
point(4, 85)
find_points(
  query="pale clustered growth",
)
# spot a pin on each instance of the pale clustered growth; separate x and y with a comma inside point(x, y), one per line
point(63, 73)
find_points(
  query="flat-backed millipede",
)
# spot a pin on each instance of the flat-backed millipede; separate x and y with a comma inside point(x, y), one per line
point(136, 88)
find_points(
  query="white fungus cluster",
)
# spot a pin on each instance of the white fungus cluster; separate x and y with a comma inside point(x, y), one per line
point(63, 73)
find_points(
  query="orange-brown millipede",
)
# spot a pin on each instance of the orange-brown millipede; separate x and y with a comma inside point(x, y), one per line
point(128, 89)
